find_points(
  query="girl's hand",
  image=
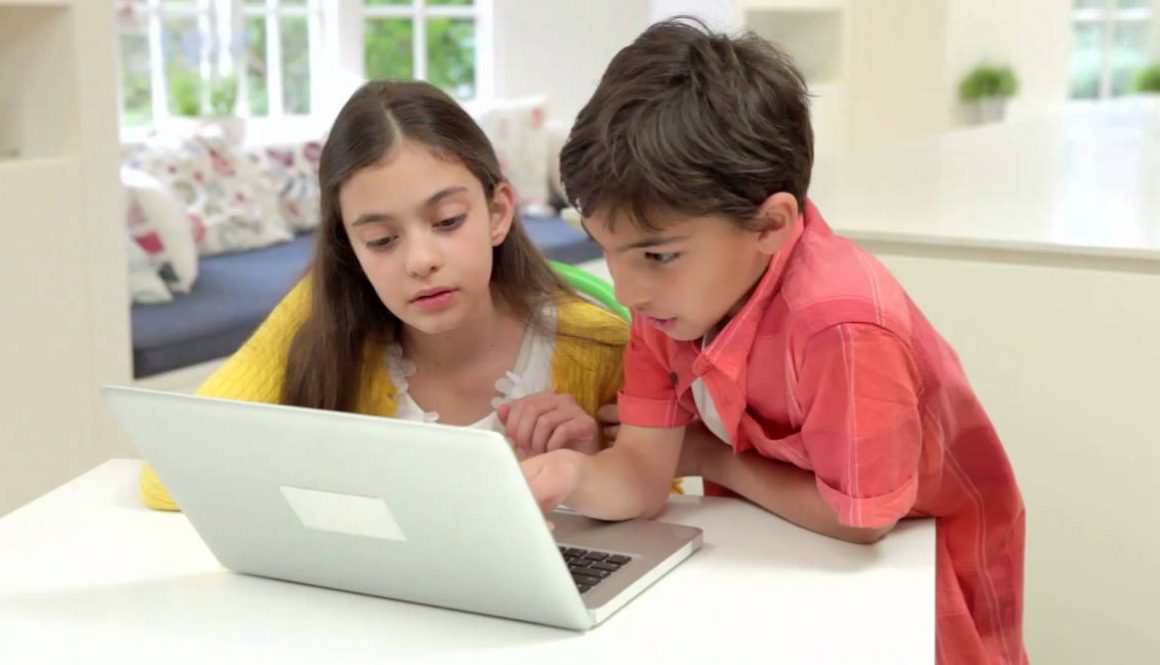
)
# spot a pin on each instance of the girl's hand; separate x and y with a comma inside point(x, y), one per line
point(548, 421)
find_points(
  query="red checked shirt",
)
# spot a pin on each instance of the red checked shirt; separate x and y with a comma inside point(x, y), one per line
point(832, 368)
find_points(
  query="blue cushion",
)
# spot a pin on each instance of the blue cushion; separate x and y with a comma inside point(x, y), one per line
point(235, 292)
point(232, 295)
point(559, 241)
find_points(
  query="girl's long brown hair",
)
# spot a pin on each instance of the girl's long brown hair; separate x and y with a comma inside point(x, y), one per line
point(325, 363)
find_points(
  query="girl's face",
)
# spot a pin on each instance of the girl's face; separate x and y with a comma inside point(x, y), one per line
point(423, 232)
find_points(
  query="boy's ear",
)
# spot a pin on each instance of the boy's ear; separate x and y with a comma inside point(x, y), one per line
point(778, 213)
point(503, 211)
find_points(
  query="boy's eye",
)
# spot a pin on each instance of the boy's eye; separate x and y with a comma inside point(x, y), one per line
point(380, 243)
point(661, 257)
point(450, 222)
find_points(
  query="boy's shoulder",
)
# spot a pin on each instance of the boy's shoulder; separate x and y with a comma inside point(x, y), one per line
point(829, 280)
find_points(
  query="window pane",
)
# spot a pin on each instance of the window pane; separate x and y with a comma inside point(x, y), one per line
point(256, 66)
point(1086, 42)
point(1129, 53)
point(293, 3)
point(451, 55)
point(371, 3)
point(295, 65)
point(1133, 4)
point(450, 2)
point(1090, 4)
point(136, 89)
point(388, 49)
point(181, 45)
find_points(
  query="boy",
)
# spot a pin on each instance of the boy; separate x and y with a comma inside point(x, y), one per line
point(769, 355)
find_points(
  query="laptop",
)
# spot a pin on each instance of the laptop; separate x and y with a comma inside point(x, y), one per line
point(417, 512)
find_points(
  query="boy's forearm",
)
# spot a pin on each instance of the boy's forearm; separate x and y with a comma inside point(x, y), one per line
point(785, 490)
point(621, 483)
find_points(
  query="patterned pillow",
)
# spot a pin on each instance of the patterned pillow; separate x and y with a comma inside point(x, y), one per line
point(292, 171)
point(229, 203)
point(158, 224)
point(145, 285)
point(518, 130)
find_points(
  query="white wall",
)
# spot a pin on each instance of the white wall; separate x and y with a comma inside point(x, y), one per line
point(559, 48)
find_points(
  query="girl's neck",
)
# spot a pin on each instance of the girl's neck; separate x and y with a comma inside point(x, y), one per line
point(478, 338)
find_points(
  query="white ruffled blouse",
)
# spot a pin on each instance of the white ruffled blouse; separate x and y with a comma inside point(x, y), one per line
point(532, 373)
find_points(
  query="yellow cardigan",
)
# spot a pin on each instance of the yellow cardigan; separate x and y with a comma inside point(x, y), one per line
point(586, 363)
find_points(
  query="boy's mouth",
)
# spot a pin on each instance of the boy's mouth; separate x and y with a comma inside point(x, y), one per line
point(665, 324)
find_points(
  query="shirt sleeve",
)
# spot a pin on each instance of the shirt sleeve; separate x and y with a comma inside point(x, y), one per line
point(649, 396)
point(862, 430)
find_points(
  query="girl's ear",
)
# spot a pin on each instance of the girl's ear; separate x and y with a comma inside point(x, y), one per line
point(503, 211)
point(779, 213)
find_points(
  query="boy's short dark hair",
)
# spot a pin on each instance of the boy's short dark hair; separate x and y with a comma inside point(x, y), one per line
point(691, 122)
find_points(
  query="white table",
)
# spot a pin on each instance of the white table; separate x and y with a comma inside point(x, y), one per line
point(88, 575)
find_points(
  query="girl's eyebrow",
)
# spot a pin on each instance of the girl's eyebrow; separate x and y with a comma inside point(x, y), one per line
point(372, 217)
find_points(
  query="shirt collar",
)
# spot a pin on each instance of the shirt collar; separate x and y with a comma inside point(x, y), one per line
point(730, 348)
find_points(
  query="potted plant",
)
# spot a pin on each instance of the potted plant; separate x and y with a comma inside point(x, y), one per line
point(215, 109)
point(1148, 79)
point(987, 88)
point(223, 98)
point(1147, 86)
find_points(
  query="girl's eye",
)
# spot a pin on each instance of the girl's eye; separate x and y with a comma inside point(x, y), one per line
point(450, 222)
point(380, 243)
point(661, 257)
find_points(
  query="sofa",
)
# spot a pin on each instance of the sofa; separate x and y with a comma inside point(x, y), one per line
point(218, 233)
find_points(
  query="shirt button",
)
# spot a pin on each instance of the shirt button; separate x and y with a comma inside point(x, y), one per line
point(673, 378)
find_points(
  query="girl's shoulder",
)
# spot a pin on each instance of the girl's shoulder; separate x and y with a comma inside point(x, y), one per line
point(580, 319)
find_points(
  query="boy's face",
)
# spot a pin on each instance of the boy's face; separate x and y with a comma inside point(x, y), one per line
point(688, 277)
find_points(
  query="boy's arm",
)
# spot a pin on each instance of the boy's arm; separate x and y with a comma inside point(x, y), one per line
point(859, 392)
point(782, 489)
point(631, 479)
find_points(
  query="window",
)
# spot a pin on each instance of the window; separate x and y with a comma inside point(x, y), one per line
point(281, 42)
point(431, 40)
point(285, 63)
point(165, 55)
point(1111, 40)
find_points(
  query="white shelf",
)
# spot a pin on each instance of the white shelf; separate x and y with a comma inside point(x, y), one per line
point(62, 263)
point(38, 83)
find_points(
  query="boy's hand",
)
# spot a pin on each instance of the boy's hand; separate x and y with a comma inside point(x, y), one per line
point(553, 476)
point(548, 421)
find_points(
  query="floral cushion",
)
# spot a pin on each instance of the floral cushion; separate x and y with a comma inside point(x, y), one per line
point(230, 205)
point(292, 172)
point(518, 130)
point(158, 225)
point(145, 285)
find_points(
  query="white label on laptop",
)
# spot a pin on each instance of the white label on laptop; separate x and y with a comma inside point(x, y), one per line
point(344, 513)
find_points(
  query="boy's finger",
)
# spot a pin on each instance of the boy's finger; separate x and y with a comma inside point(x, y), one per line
point(610, 433)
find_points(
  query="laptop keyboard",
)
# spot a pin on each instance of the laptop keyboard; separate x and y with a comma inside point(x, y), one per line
point(591, 567)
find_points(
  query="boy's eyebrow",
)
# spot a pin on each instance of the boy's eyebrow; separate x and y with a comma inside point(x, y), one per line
point(372, 217)
point(654, 241)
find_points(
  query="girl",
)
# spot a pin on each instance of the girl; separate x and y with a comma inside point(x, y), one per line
point(426, 299)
